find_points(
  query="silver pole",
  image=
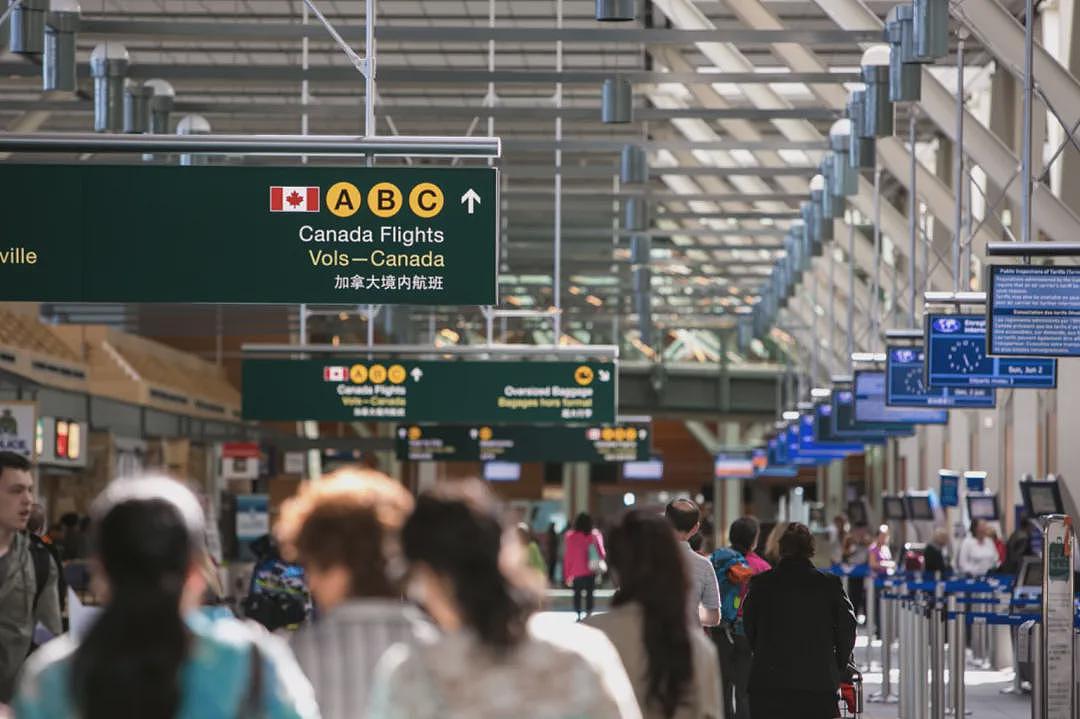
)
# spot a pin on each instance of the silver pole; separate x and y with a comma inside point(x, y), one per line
point(1029, 90)
point(937, 658)
point(956, 646)
point(889, 635)
point(875, 303)
point(369, 68)
point(851, 298)
point(303, 324)
point(556, 283)
point(871, 616)
point(958, 158)
point(913, 204)
point(812, 279)
point(1038, 673)
point(904, 637)
point(832, 304)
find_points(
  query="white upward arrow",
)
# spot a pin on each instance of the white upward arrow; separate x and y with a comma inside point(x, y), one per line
point(417, 373)
point(471, 199)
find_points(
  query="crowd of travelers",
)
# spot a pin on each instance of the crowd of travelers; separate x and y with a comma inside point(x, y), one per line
point(423, 607)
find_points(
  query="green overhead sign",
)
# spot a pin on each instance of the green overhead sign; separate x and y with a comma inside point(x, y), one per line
point(348, 235)
point(524, 443)
point(403, 390)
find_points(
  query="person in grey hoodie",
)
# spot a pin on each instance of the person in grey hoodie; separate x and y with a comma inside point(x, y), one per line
point(25, 600)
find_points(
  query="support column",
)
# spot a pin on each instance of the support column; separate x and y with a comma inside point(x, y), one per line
point(582, 487)
point(1069, 192)
point(427, 475)
point(880, 474)
point(1026, 416)
point(833, 498)
point(1068, 426)
point(727, 493)
point(933, 454)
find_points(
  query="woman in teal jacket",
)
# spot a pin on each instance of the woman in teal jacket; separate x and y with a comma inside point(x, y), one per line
point(151, 652)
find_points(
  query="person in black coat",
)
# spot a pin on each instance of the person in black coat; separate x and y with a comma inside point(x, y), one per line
point(934, 561)
point(801, 628)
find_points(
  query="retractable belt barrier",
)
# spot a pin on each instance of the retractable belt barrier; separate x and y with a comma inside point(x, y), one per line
point(924, 615)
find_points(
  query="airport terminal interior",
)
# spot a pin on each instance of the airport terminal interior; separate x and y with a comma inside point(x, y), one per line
point(608, 258)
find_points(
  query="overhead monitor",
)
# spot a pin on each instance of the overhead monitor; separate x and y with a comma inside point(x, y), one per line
point(502, 471)
point(846, 427)
point(733, 464)
point(651, 470)
point(919, 507)
point(1033, 310)
point(779, 471)
point(983, 506)
point(975, 481)
point(893, 508)
point(870, 405)
point(826, 448)
point(956, 357)
point(904, 386)
point(1042, 497)
point(949, 488)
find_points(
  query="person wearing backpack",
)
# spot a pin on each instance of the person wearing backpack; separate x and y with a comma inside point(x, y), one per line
point(28, 577)
point(735, 565)
point(153, 652)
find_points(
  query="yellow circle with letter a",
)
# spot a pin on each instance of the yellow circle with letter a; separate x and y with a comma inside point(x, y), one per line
point(485, 434)
point(583, 375)
point(377, 373)
point(384, 199)
point(343, 199)
point(396, 373)
point(358, 374)
point(426, 200)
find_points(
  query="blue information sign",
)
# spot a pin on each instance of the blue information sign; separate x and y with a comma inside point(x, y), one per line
point(975, 481)
point(950, 489)
point(904, 386)
point(1033, 311)
point(956, 357)
point(870, 404)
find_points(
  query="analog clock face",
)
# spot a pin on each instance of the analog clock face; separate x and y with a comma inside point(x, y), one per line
point(913, 384)
point(965, 357)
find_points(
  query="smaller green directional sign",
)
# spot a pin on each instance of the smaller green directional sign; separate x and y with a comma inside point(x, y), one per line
point(524, 443)
point(404, 390)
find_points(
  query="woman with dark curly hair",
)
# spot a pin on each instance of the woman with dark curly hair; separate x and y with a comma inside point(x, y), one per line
point(491, 662)
point(673, 668)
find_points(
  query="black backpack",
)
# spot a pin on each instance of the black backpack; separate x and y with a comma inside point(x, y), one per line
point(39, 552)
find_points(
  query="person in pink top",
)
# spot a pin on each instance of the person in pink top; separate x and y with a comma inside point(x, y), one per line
point(583, 550)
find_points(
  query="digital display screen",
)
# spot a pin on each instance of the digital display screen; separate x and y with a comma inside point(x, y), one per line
point(1033, 311)
point(811, 445)
point(975, 481)
point(1042, 498)
point(904, 387)
point(733, 465)
point(653, 469)
point(502, 471)
point(845, 426)
point(856, 511)
point(956, 357)
point(983, 507)
point(870, 404)
point(919, 507)
point(1032, 573)
point(894, 508)
point(950, 489)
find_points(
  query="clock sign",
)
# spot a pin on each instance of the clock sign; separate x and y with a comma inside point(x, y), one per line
point(905, 385)
point(957, 358)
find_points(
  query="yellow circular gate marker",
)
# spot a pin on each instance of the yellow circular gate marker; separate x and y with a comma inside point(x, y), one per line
point(343, 199)
point(426, 200)
point(583, 375)
point(396, 374)
point(384, 199)
point(377, 373)
point(358, 374)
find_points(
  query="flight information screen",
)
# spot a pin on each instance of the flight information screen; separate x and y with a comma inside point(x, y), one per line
point(905, 368)
point(956, 357)
point(1033, 311)
point(870, 405)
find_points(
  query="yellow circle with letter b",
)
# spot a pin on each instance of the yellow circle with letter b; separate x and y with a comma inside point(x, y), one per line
point(343, 199)
point(377, 373)
point(426, 200)
point(384, 199)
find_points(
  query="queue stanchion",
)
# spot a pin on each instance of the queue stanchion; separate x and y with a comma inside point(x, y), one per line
point(937, 653)
point(956, 644)
point(903, 645)
point(871, 618)
point(1038, 671)
point(889, 617)
point(924, 656)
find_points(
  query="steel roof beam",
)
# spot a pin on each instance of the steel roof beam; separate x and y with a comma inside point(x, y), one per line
point(443, 34)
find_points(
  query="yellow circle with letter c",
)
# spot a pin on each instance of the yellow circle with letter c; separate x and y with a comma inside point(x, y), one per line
point(426, 200)
point(396, 374)
point(583, 375)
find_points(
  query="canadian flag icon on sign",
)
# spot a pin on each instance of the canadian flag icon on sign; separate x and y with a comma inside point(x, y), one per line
point(294, 199)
